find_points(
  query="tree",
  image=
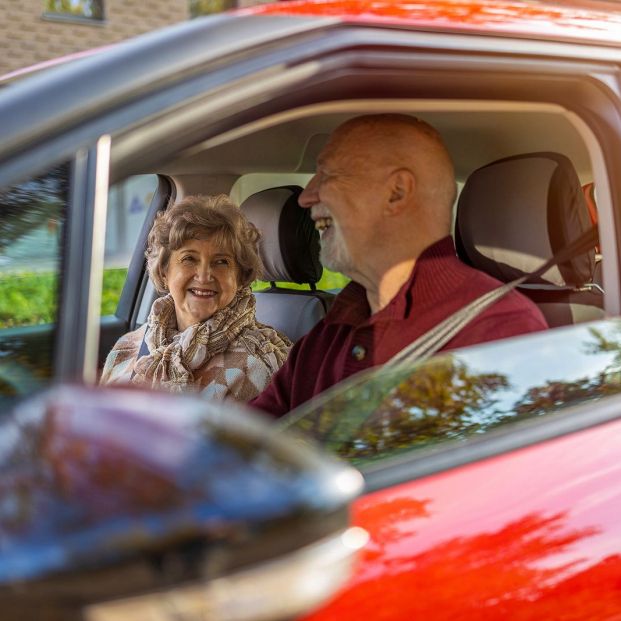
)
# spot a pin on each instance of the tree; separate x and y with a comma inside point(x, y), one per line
point(207, 7)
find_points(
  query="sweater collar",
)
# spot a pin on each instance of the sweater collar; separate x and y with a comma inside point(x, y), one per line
point(432, 278)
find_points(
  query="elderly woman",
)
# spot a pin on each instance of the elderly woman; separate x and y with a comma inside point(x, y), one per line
point(202, 335)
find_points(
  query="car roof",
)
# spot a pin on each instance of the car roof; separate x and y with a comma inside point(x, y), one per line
point(580, 20)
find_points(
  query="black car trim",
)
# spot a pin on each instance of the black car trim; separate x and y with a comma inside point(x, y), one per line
point(74, 324)
point(164, 195)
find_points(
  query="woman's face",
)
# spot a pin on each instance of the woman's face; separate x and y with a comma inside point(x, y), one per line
point(202, 279)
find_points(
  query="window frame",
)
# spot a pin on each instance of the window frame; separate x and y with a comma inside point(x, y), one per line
point(82, 266)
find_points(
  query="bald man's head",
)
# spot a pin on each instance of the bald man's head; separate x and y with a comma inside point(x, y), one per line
point(403, 141)
point(383, 191)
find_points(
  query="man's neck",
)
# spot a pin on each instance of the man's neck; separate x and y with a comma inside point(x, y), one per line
point(383, 289)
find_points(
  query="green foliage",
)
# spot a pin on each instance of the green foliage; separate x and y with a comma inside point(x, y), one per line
point(92, 9)
point(113, 282)
point(29, 298)
point(207, 7)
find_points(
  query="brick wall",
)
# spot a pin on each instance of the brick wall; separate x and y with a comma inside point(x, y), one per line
point(28, 37)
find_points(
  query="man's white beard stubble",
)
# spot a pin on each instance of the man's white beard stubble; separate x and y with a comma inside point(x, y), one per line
point(334, 254)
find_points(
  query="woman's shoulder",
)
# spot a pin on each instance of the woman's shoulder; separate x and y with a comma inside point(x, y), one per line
point(120, 359)
point(131, 340)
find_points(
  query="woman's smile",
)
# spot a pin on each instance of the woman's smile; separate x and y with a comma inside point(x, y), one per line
point(203, 293)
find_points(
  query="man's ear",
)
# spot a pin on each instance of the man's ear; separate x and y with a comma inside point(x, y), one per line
point(401, 186)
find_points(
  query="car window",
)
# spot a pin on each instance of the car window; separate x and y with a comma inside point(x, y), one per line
point(467, 393)
point(32, 220)
point(128, 204)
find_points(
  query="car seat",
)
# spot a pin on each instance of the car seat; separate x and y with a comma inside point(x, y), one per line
point(516, 213)
point(290, 252)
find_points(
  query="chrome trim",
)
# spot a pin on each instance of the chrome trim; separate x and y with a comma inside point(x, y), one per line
point(282, 588)
point(95, 283)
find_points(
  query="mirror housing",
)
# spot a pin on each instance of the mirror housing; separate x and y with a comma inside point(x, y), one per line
point(120, 503)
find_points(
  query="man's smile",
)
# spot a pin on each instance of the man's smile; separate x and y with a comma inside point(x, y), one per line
point(321, 224)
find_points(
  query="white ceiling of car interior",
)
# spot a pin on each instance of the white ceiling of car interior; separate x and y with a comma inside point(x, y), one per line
point(475, 132)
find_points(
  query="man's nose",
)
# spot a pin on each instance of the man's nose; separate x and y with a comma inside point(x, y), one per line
point(309, 196)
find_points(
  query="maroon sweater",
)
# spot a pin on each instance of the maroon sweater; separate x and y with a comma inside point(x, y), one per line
point(350, 339)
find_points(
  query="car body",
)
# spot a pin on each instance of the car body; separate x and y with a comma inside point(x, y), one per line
point(491, 473)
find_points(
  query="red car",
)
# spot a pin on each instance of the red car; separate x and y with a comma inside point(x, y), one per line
point(492, 484)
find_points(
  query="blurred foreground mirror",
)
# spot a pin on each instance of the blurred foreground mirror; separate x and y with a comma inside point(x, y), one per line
point(121, 504)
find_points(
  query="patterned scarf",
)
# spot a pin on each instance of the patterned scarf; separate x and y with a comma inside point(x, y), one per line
point(175, 355)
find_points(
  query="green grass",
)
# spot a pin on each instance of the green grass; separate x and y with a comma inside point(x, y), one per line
point(113, 282)
point(29, 298)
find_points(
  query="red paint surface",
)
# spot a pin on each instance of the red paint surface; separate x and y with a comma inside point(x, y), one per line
point(532, 19)
point(534, 534)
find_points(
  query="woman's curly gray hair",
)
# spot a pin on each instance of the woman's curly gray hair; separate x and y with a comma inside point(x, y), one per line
point(204, 217)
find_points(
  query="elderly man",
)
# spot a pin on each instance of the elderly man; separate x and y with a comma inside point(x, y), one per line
point(382, 200)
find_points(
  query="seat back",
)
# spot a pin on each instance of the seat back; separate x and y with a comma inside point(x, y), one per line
point(290, 252)
point(516, 213)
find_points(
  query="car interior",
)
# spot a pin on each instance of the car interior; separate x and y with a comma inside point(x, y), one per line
point(524, 173)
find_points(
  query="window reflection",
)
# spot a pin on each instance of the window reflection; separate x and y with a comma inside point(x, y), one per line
point(509, 572)
point(465, 393)
point(32, 216)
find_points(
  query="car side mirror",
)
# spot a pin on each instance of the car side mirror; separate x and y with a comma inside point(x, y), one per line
point(124, 504)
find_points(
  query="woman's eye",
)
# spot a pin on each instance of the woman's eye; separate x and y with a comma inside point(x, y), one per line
point(221, 262)
point(188, 258)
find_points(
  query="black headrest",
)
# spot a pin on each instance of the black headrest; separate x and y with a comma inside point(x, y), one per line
point(290, 244)
point(516, 213)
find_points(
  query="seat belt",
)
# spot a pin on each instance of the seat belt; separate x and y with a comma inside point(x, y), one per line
point(433, 340)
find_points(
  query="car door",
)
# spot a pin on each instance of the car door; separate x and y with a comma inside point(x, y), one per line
point(492, 479)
